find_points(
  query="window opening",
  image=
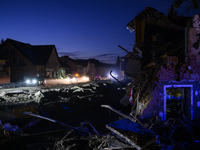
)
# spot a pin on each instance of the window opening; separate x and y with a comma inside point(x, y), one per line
point(178, 100)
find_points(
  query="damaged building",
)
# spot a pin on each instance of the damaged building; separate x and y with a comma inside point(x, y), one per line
point(168, 83)
point(163, 95)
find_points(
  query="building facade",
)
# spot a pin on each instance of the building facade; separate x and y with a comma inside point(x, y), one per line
point(25, 60)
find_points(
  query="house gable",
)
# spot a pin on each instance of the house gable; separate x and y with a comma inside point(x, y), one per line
point(11, 51)
point(69, 62)
point(29, 60)
point(53, 61)
point(36, 54)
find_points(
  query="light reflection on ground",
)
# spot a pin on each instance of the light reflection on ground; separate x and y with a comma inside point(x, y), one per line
point(63, 81)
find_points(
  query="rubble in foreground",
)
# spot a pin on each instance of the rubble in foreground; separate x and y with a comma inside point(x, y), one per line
point(76, 117)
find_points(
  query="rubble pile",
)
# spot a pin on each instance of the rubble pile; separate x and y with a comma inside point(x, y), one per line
point(147, 88)
point(148, 102)
point(52, 123)
point(26, 95)
point(68, 104)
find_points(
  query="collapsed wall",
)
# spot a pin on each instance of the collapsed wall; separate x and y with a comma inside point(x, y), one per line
point(151, 98)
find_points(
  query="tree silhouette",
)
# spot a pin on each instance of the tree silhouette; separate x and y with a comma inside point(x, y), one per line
point(1, 41)
point(190, 4)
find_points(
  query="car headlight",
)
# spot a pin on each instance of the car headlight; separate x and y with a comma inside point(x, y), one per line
point(85, 78)
point(34, 81)
point(28, 81)
point(73, 79)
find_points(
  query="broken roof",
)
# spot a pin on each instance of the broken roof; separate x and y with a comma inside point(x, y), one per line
point(152, 16)
point(37, 54)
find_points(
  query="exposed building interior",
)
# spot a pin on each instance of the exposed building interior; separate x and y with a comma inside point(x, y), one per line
point(178, 102)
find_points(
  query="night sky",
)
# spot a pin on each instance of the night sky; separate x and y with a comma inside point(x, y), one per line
point(78, 28)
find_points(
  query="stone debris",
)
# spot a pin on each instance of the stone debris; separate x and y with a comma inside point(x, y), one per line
point(35, 119)
point(78, 90)
point(75, 87)
point(86, 85)
point(38, 96)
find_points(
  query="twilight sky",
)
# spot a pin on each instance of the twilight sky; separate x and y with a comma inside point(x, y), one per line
point(78, 28)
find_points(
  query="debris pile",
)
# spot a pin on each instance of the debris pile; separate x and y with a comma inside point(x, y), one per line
point(48, 122)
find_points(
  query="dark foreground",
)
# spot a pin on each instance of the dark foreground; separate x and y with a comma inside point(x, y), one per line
point(78, 117)
point(68, 108)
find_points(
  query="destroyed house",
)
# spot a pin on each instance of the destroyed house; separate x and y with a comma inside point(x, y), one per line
point(25, 60)
point(155, 34)
point(169, 83)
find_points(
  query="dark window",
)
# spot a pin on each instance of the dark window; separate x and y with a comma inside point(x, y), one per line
point(21, 62)
point(6, 51)
point(14, 61)
point(12, 51)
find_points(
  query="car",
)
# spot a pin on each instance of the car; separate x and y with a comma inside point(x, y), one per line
point(41, 80)
point(36, 81)
point(85, 78)
point(72, 78)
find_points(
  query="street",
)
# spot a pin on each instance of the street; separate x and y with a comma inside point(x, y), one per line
point(64, 81)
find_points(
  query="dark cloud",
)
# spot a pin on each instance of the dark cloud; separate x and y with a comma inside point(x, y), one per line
point(73, 54)
point(106, 55)
point(108, 58)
